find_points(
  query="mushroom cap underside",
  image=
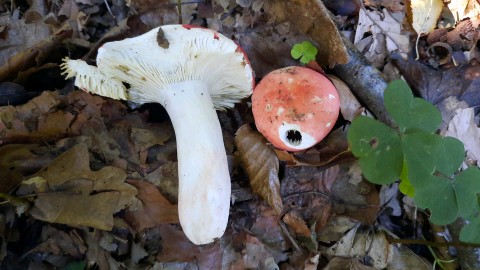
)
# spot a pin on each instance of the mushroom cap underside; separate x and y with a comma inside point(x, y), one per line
point(173, 54)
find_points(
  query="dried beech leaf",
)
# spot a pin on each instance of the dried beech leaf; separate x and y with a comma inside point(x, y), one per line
point(261, 164)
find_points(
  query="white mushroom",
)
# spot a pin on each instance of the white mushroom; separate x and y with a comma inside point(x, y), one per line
point(191, 71)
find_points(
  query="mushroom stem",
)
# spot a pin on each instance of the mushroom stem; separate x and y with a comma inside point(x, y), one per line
point(204, 178)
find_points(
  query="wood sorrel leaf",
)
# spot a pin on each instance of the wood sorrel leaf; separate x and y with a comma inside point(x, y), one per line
point(449, 156)
point(378, 148)
point(419, 149)
point(467, 186)
point(410, 113)
point(306, 51)
point(470, 232)
point(438, 195)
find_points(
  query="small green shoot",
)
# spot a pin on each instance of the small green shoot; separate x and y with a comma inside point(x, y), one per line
point(304, 51)
point(426, 163)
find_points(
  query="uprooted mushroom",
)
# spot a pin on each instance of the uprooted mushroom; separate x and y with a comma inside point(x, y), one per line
point(191, 71)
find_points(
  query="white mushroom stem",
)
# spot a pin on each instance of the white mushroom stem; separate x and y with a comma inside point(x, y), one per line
point(204, 179)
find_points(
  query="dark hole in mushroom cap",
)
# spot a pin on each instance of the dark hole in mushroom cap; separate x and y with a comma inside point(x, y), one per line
point(294, 137)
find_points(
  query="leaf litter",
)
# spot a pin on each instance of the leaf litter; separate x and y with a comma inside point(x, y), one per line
point(314, 197)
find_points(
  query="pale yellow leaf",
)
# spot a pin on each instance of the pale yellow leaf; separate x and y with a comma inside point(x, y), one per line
point(425, 14)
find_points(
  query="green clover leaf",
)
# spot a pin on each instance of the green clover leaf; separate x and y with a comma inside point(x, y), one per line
point(410, 113)
point(378, 148)
point(304, 51)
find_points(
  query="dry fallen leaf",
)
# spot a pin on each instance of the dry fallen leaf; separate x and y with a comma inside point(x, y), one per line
point(145, 138)
point(425, 14)
point(363, 243)
point(379, 33)
point(435, 85)
point(256, 255)
point(156, 209)
point(337, 263)
point(20, 160)
point(463, 127)
point(177, 248)
point(80, 197)
point(462, 9)
point(35, 54)
point(261, 165)
point(296, 223)
point(349, 105)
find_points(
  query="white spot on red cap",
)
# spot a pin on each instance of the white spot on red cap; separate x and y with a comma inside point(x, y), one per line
point(280, 111)
point(316, 99)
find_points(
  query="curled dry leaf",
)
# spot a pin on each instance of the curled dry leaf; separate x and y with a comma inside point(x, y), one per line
point(80, 197)
point(156, 208)
point(261, 165)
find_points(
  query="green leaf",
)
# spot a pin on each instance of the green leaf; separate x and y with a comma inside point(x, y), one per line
point(449, 155)
point(410, 113)
point(306, 51)
point(432, 162)
point(80, 265)
point(296, 51)
point(467, 186)
point(419, 149)
point(470, 232)
point(438, 195)
point(405, 186)
point(378, 148)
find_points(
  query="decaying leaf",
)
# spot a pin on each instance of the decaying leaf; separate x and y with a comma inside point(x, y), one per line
point(34, 55)
point(463, 127)
point(435, 85)
point(261, 165)
point(379, 33)
point(462, 9)
point(60, 243)
point(337, 263)
point(78, 196)
point(177, 248)
point(362, 243)
point(156, 209)
point(296, 223)
point(20, 160)
point(145, 138)
point(257, 255)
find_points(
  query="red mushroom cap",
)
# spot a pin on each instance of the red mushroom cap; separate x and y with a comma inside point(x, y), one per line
point(295, 107)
